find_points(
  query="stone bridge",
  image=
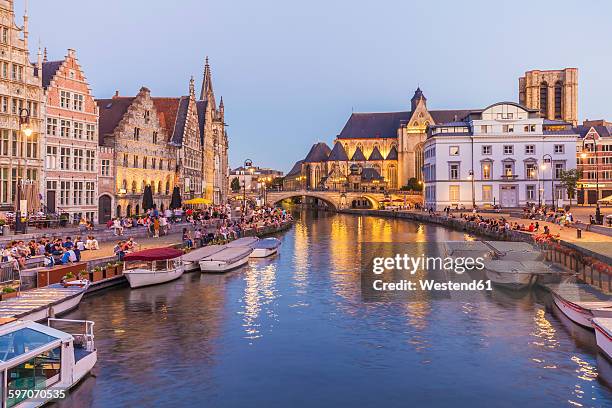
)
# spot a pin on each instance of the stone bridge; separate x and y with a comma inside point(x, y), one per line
point(339, 200)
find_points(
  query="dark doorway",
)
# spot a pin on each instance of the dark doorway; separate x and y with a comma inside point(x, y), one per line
point(128, 210)
point(51, 201)
point(104, 209)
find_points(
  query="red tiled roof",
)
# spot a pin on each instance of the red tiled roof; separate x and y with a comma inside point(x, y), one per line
point(167, 111)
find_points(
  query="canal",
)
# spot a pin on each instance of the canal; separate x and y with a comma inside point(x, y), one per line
point(295, 331)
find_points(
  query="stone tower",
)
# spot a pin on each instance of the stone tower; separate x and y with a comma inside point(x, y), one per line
point(554, 93)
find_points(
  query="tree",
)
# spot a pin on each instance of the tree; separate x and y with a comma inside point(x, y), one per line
point(569, 180)
point(412, 185)
point(235, 185)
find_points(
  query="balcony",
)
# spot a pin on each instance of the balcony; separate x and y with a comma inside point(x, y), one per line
point(509, 177)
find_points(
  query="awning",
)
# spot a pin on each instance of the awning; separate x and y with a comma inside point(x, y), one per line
point(154, 254)
point(607, 199)
point(195, 201)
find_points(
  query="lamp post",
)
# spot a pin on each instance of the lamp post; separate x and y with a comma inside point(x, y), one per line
point(24, 126)
point(552, 179)
point(471, 178)
point(247, 163)
point(598, 217)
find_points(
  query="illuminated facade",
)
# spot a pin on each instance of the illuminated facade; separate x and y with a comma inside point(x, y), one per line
point(553, 93)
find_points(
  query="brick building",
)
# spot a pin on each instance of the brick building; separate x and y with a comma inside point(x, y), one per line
point(71, 142)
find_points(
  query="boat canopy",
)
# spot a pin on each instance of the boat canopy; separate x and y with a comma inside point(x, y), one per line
point(23, 337)
point(154, 254)
point(203, 252)
point(243, 242)
point(230, 255)
point(268, 243)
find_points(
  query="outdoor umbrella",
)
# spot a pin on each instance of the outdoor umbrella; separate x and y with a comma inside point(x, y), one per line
point(176, 199)
point(147, 198)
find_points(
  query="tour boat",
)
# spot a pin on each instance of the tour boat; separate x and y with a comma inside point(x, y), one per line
point(265, 247)
point(581, 302)
point(603, 334)
point(191, 260)
point(153, 266)
point(226, 259)
point(515, 251)
point(40, 363)
point(514, 274)
point(262, 248)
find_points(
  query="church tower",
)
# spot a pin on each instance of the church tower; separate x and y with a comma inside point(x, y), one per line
point(554, 93)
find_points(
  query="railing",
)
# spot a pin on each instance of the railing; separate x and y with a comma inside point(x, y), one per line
point(83, 340)
point(8, 273)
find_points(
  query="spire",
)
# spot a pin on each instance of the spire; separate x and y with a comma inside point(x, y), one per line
point(26, 33)
point(45, 55)
point(206, 82)
point(221, 108)
point(221, 103)
point(418, 96)
point(192, 86)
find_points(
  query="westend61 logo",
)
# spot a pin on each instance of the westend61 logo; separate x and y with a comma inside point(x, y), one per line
point(395, 271)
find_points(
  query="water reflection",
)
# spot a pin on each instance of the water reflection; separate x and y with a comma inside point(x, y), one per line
point(295, 331)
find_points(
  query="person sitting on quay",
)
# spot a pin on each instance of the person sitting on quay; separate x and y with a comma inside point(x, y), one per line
point(92, 243)
point(68, 257)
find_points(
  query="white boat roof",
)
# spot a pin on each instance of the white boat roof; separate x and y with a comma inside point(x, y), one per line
point(459, 248)
point(508, 246)
point(203, 252)
point(582, 294)
point(230, 255)
point(36, 299)
point(268, 243)
point(605, 323)
point(242, 242)
point(503, 265)
point(21, 337)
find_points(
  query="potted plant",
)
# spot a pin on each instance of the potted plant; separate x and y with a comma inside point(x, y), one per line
point(110, 270)
point(63, 221)
point(8, 292)
point(118, 268)
point(69, 277)
point(97, 274)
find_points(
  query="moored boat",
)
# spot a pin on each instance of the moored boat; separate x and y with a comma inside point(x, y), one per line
point(243, 242)
point(516, 274)
point(191, 260)
point(265, 247)
point(41, 303)
point(226, 259)
point(603, 334)
point(581, 302)
point(40, 363)
point(153, 266)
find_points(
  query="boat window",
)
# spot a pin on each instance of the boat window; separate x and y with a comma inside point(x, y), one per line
point(138, 265)
point(22, 341)
point(37, 373)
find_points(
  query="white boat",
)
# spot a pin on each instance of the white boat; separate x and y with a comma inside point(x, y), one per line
point(515, 251)
point(515, 274)
point(261, 247)
point(191, 260)
point(226, 259)
point(265, 247)
point(40, 363)
point(603, 334)
point(581, 302)
point(41, 303)
point(153, 266)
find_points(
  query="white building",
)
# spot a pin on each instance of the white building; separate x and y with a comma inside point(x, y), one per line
point(503, 155)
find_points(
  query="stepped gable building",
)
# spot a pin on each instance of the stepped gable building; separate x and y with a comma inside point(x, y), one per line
point(595, 160)
point(71, 165)
point(214, 141)
point(398, 137)
point(136, 132)
point(21, 94)
point(554, 93)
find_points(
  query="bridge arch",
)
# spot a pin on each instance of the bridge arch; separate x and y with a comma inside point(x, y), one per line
point(275, 198)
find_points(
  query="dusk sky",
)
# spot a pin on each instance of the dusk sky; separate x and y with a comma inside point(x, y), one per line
point(290, 72)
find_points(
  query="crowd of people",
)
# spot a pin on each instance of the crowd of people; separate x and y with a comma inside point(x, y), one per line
point(55, 251)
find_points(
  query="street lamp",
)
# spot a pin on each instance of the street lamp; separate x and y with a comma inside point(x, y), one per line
point(247, 163)
point(471, 178)
point(552, 179)
point(24, 126)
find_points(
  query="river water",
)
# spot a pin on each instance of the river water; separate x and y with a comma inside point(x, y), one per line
point(294, 331)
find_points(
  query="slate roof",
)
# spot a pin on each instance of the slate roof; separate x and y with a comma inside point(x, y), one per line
point(358, 155)
point(296, 169)
point(111, 113)
point(338, 153)
point(49, 69)
point(370, 174)
point(318, 153)
point(201, 106)
point(392, 154)
point(602, 131)
point(375, 155)
point(386, 124)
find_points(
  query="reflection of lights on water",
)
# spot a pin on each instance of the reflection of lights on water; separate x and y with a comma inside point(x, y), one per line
point(544, 331)
point(300, 255)
point(585, 370)
point(259, 292)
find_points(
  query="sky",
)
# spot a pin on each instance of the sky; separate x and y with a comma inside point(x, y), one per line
point(291, 72)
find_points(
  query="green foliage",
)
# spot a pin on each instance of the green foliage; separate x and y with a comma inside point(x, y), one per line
point(235, 185)
point(8, 289)
point(569, 180)
point(412, 185)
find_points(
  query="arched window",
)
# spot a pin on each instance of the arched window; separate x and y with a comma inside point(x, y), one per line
point(544, 99)
point(124, 184)
point(153, 188)
point(159, 187)
point(168, 187)
point(134, 187)
point(415, 124)
point(558, 99)
point(142, 186)
point(392, 176)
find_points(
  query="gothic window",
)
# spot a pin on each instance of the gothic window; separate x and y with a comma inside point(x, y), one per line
point(543, 99)
point(134, 186)
point(558, 100)
point(159, 187)
point(415, 124)
point(421, 115)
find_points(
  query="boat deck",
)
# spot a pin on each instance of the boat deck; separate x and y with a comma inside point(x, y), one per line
point(582, 294)
point(35, 300)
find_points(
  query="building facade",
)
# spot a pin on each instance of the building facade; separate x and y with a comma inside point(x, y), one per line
point(132, 129)
point(553, 93)
point(106, 183)
point(504, 155)
point(595, 161)
point(71, 142)
point(21, 95)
